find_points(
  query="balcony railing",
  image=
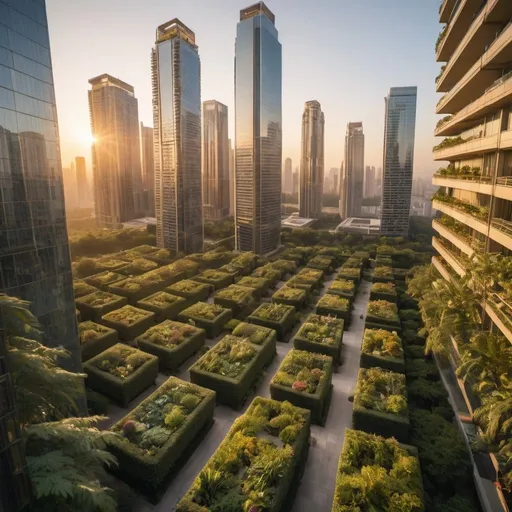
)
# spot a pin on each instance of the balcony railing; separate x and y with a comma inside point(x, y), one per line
point(480, 213)
point(502, 225)
point(498, 82)
point(504, 181)
point(462, 259)
point(502, 308)
point(466, 238)
point(475, 179)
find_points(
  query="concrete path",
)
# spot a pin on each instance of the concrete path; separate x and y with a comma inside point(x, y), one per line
point(317, 487)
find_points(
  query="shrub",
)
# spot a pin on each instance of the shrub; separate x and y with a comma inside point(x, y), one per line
point(280, 317)
point(259, 284)
point(210, 317)
point(191, 290)
point(97, 304)
point(312, 276)
point(138, 266)
point(343, 288)
point(104, 279)
point(335, 306)
point(256, 334)
point(291, 296)
point(323, 263)
point(381, 348)
point(81, 288)
point(235, 297)
point(284, 266)
point(215, 278)
point(268, 272)
point(128, 321)
point(164, 305)
point(95, 338)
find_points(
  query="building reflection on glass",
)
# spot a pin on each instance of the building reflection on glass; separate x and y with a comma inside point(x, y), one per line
point(399, 132)
point(258, 144)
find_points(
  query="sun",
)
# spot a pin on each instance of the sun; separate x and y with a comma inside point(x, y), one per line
point(85, 137)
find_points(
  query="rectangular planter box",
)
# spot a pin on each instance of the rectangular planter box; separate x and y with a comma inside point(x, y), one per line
point(289, 479)
point(371, 351)
point(256, 334)
point(95, 338)
point(104, 279)
point(127, 332)
point(235, 297)
point(89, 311)
point(113, 264)
point(212, 327)
point(165, 312)
point(215, 278)
point(232, 270)
point(190, 290)
point(247, 264)
point(304, 341)
point(233, 391)
point(295, 282)
point(311, 276)
point(317, 402)
point(298, 300)
point(260, 284)
point(121, 390)
point(350, 275)
point(152, 470)
point(383, 296)
point(373, 323)
point(325, 264)
point(284, 266)
point(323, 309)
point(282, 326)
point(273, 275)
point(137, 267)
point(173, 356)
point(82, 288)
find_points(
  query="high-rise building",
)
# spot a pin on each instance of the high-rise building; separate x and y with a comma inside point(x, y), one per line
point(258, 131)
point(70, 189)
point(147, 154)
point(295, 181)
point(399, 130)
point(333, 173)
point(288, 176)
point(352, 179)
point(81, 182)
point(232, 179)
point(312, 161)
point(215, 160)
point(370, 183)
point(116, 162)
point(176, 75)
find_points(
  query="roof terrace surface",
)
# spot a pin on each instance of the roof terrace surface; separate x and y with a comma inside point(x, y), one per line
point(256, 10)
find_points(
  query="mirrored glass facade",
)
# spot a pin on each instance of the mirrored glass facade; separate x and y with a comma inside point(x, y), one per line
point(399, 132)
point(352, 176)
point(148, 169)
point(258, 135)
point(176, 75)
point(35, 263)
point(312, 161)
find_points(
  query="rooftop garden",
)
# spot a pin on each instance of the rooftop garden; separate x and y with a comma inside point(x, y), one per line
point(291, 296)
point(97, 304)
point(334, 305)
point(383, 311)
point(382, 349)
point(377, 473)
point(95, 338)
point(256, 334)
point(479, 212)
point(235, 297)
point(253, 467)
point(81, 288)
point(104, 279)
point(210, 317)
point(129, 321)
point(280, 317)
point(164, 305)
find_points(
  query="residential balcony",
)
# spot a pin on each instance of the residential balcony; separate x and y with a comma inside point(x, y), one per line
point(481, 185)
point(501, 231)
point(458, 24)
point(446, 9)
point(481, 75)
point(448, 256)
point(472, 147)
point(503, 188)
point(500, 312)
point(498, 95)
point(461, 216)
point(436, 261)
point(506, 140)
point(456, 239)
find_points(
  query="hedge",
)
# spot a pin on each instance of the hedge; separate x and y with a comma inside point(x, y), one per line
point(321, 334)
point(95, 338)
point(164, 305)
point(305, 380)
point(383, 275)
point(81, 288)
point(311, 276)
point(235, 272)
point(374, 468)
point(260, 284)
point(235, 297)
point(343, 288)
point(129, 321)
point(383, 291)
point(232, 367)
point(190, 290)
point(383, 349)
point(172, 342)
point(246, 262)
point(138, 266)
point(109, 373)
point(279, 317)
point(334, 306)
point(292, 296)
point(163, 427)
point(272, 274)
point(110, 263)
point(104, 279)
point(248, 471)
point(296, 282)
point(382, 314)
point(323, 263)
point(380, 404)
point(210, 317)
point(284, 266)
point(215, 278)
point(350, 274)
point(211, 259)
point(95, 305)
point(255, 333)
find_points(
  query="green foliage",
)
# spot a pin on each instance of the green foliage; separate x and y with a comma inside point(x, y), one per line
point(274, 312)
point(121, 361)
point(256, 334)
point(322, 329)
point(127, 315)
point(383, 309)
point(382, 343)
point(96, 403)
point(334, 302)
point(204, 310)
point(89, 331)
point(169, 334)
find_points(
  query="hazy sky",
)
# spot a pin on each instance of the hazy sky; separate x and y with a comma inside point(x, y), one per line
point(344, 53)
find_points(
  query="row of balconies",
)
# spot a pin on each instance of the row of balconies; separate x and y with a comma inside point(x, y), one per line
point(474, 146)
point(502, 188)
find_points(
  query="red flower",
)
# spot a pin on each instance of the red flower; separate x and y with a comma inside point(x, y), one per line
point(298, 385)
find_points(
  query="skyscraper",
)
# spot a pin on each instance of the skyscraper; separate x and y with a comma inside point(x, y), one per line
point(333, 173)
point(116, 151)
point(231, 179)
point(81, 182)
point(148, 169)
point(176, 77)
point(352, 180)
point(312, 161)
point(295, 181)
point(215, 160)
point(70, 189)
point(288, 176)
point(399, 130)
point(258, 131)
point(370, 182)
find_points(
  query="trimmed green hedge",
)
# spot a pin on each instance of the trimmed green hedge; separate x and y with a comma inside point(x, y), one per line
point(323, 263)
point(95, 338)
point(272, 274)
point(334, 306)
point(321, 334)
point(215, 278)
point(343, 288)
point(210, 317)
point(383, 275)
point(172, 342)
point(382, 349)
point(121, 373)
point(292, 296)
point(95, 305)
point(305, 380)
point(377, 474)
point(249, 472)
point(260, 284)
point(246, 262)
point(235, 297)
point(382, 314)
point(161, 429)
point(310, 276)
point(380, 404)
point(256, 334)
point(190, 290)
point(138, 266)
point(232, 367)
point(211, 259)
point(164, 305)
point(104, 279)
point(350, 274)
point(383, 291)
point(82, 288)
point(284, 266)
point(232, 270)
point(279, 317)
point(296, 282)
point(129, 321)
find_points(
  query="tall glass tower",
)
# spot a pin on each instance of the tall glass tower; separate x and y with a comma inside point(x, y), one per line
point(176, 76)
point(258, 136)
point(35, 264)
point(352, 178)
point(312, 161)
point(399, 131)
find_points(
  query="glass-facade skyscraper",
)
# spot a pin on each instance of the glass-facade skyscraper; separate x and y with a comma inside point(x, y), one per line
point(352, 176)
point(148, 169)
point(258, 135)
point(176, 78)
point(399, 132)
point(312, 161)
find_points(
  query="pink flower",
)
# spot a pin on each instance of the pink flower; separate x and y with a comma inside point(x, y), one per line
point(298, 385)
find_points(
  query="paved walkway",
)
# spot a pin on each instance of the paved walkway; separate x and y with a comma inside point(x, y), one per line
point(317, 487)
